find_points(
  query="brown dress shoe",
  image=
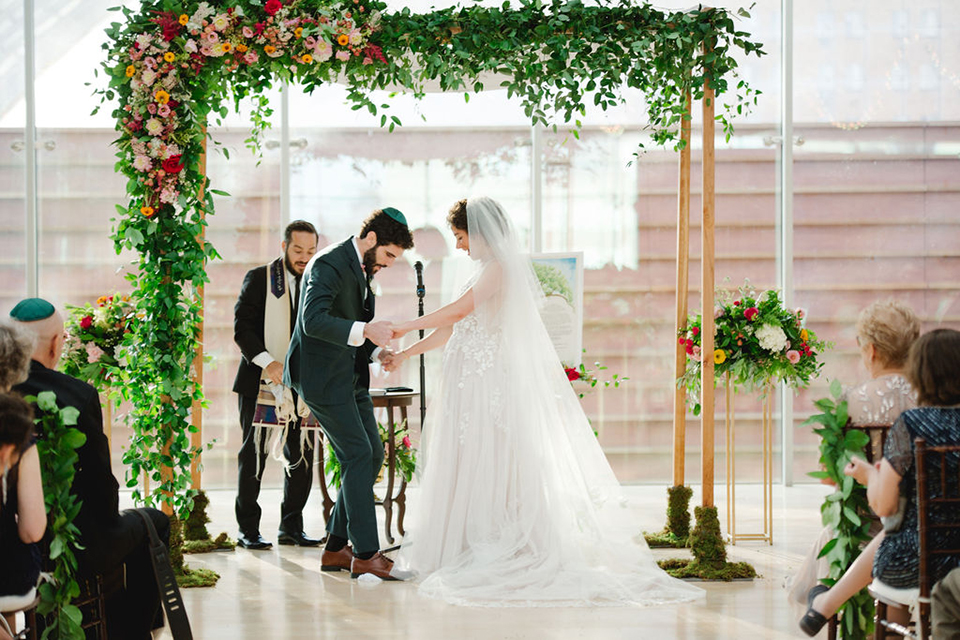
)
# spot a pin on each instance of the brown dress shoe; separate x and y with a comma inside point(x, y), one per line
point(336, 560)
point(379, 565)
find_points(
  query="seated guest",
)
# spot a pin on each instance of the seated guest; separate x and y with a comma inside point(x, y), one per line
point(110, 539)
point(885, 332)
point(23, 517)
point(933, 369)
point(945, 607)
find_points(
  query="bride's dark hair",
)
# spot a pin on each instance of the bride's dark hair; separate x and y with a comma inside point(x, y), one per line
point(457, 218)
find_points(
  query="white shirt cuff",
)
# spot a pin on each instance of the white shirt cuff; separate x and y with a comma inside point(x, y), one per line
point(376, 354)
point(263, 359)
point(356, 338)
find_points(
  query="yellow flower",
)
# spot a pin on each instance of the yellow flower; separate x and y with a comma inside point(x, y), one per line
point(183, 19)
point(719, 356)
point(269, 49)
point(298, 32)
point(162, 97)
point(102, 300)
point(226, 47)
point(306, 59)
point(343, 39)
point(242, 48)
point(804, 334)
point(131, 70)
point(169, 57)
point(146, 211)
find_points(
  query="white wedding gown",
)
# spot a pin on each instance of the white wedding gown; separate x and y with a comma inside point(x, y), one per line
point(517, 504)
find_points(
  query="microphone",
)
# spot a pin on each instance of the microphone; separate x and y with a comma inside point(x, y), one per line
point(421, 291)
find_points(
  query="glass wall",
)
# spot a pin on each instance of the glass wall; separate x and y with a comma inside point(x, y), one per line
point(874, 197)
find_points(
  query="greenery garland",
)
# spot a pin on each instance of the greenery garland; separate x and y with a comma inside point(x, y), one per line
point(172, 65)
point(846, 510)
point(57, 448)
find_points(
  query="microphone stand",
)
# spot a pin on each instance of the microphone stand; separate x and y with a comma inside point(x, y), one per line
point(421, 292)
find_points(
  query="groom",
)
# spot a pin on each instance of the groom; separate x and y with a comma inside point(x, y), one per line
point(328, 365)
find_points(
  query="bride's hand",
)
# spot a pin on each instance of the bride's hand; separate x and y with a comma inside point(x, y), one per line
point(400, 330)
point(392, 362)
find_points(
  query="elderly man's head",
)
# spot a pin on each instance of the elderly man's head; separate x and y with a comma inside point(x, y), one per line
point(46, 324)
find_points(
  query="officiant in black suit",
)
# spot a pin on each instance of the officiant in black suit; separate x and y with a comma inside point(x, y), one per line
point(334, 342)
point(264, 317)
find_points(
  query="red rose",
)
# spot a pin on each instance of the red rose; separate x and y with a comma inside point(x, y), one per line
point(85, 322)
point(406, 442)
point(172, 164)
point(690, 347)
point(272, 7)
point(736, 303)
point(751, 313)
point(695, 330)
point(681, 341)
point(572, 374)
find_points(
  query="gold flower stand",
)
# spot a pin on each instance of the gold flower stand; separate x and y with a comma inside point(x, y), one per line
point(766, 434)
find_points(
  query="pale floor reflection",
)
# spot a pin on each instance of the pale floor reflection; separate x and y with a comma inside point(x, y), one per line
point(281, 593)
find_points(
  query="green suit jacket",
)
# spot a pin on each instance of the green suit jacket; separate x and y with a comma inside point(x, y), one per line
point(320, 365)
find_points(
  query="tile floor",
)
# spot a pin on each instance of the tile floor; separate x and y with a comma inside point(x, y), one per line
point(280, 593)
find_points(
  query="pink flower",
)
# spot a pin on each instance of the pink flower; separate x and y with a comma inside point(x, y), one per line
point(141, 163)
point(793, 356)
point(801, 313)
point(696, 353)
point(163, 110)
point(247, 32)
point(751, 313)
point(93, 352)
point(406, 442)
point(368, 60)
point(343, 56)
point(250, 57)
point(151, 63)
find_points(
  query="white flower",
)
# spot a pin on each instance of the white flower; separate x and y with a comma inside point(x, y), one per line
point(100, 317)
point(144, 40)
point(772, 338)
point(221, 22)
point(154, 126)
point(119, 355)
point(148, 76)
point(190, 46)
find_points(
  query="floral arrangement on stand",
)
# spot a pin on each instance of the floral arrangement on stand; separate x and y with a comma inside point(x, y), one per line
point(405, 458)
point(757, 341)
point(94, 350)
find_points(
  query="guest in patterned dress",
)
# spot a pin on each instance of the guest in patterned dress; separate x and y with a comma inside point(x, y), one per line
point(885, 331)
point(933, 370)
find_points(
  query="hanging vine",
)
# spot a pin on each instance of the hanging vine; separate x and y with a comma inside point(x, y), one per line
point(173, 66)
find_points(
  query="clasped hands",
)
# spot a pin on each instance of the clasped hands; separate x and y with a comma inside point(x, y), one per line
point(381, 334)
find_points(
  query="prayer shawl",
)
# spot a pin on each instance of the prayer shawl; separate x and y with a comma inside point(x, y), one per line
point(275, 405)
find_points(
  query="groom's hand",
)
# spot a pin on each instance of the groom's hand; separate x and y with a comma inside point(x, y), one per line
point(274, 371)
point(379, 333)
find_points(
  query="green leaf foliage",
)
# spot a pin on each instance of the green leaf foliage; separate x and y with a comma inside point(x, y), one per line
point(846, 510)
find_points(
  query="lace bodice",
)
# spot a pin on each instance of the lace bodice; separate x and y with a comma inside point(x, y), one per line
point(881, 400)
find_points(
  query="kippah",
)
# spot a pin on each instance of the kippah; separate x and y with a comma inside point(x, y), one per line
point(32, 309)
point(396, 215)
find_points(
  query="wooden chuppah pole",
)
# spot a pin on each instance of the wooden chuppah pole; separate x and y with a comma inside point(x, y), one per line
point(683, 277)
point(707, 444)
point(196, 412)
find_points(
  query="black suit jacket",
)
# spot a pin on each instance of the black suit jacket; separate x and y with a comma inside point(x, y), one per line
point(93, 483)
point(248, 315)
point(320, 365)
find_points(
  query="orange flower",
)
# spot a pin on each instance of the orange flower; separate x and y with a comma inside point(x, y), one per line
point(306, 59)
point(146, 211)
point(162, 97)
point(298, 32)
point(131, 70)
point(242, 48)
point(169, 57)
point(343, 39)
point(269, 49)
point(102, 300)
point(227, 47)
point(183, 19)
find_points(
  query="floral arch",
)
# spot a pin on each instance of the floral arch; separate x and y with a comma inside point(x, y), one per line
point(172, 65)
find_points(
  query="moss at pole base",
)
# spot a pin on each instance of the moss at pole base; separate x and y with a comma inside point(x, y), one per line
point(685, 568)
point(197, 578)
point(221, 543)
point(195, 527)
point(709, 553)
point(675, 534)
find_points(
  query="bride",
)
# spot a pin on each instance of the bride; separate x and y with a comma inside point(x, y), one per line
point(517, 504)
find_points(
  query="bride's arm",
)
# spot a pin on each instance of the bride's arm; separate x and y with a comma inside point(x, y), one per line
point(449, 315)
point(436, 339)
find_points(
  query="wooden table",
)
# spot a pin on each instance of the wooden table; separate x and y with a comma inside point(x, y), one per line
point(394, 400)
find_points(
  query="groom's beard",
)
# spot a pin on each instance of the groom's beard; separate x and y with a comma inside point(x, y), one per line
point(370, 265)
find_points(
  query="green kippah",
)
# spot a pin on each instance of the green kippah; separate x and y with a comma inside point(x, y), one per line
point(396, 215)
point(31, 310)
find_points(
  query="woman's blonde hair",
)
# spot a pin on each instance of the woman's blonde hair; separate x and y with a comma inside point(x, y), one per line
point(891, 327)
point(16, 348)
